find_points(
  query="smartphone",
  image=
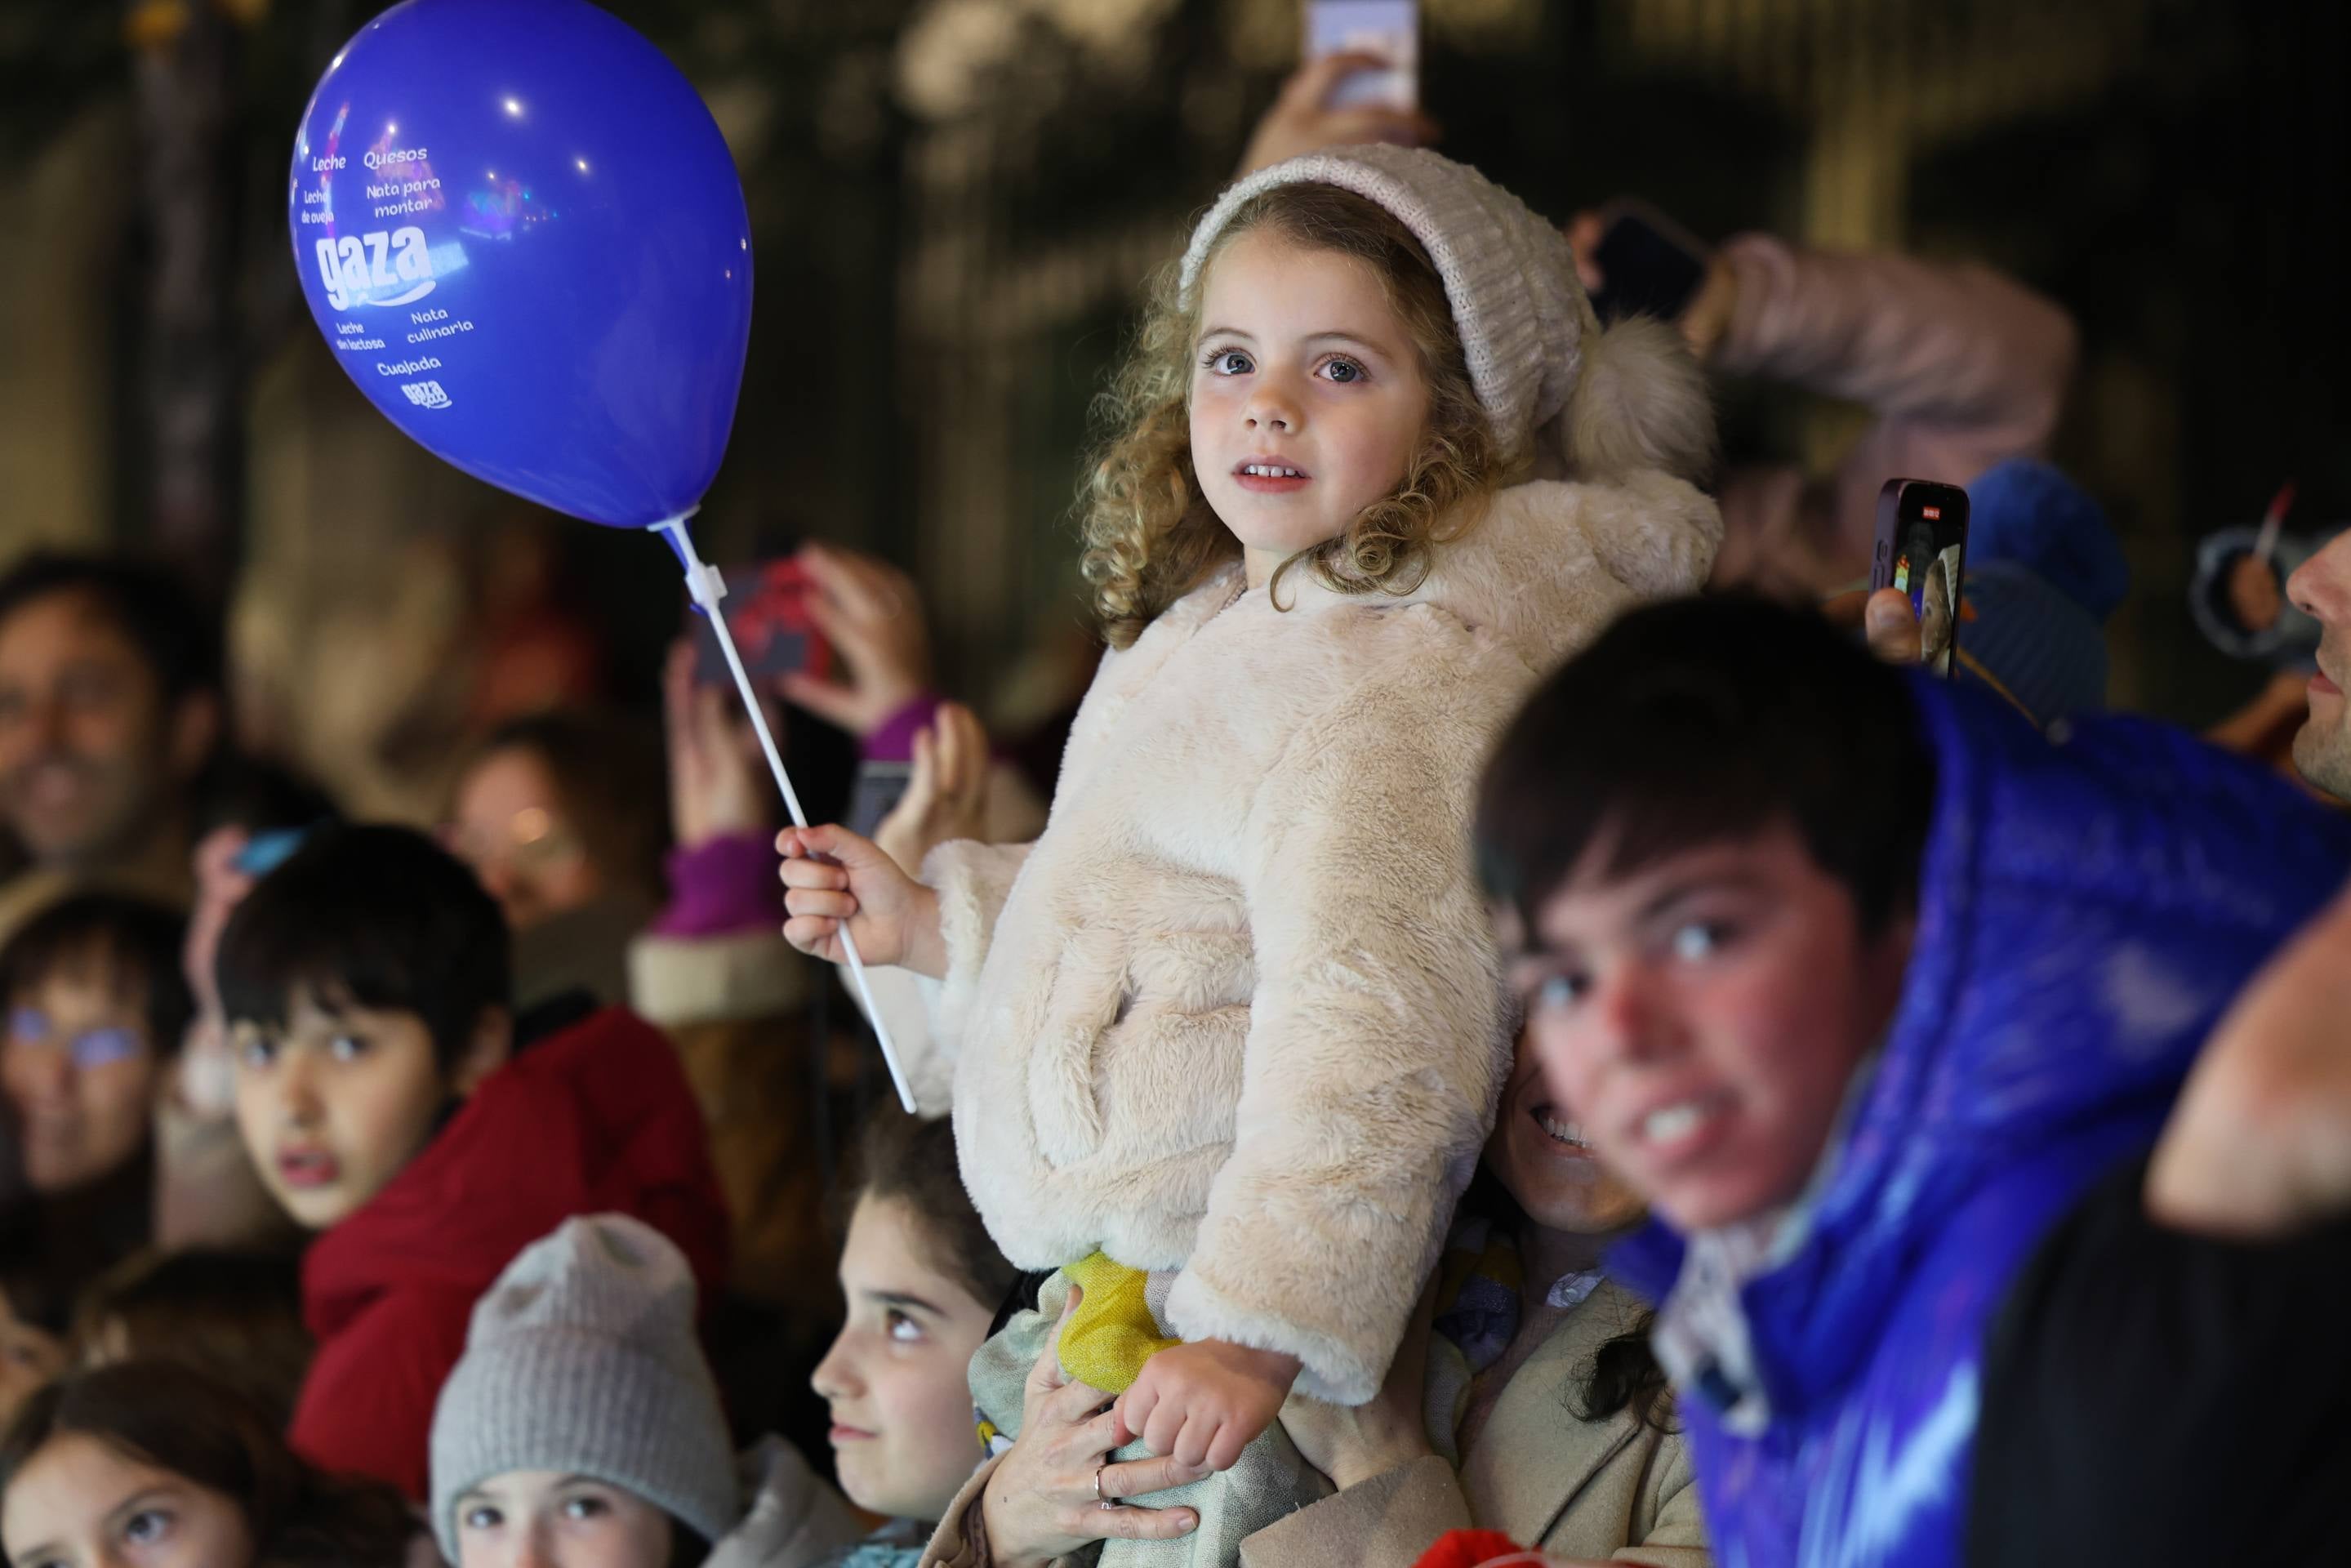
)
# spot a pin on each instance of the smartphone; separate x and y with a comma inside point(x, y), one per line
point(875, 793)
point(1649, 265)
point(1388, 28)
point(767, 609)
point(1922, 550)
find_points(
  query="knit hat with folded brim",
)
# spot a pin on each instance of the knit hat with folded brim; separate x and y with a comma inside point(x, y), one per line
point(1555, 384)
point(582, 1360)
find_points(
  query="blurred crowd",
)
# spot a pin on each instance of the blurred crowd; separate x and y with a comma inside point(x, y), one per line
point(1500, 1016)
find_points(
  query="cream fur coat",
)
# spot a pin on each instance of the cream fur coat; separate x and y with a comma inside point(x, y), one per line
point(1237, 1012)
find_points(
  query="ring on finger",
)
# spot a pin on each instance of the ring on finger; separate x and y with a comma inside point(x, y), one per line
point(1102, 1502)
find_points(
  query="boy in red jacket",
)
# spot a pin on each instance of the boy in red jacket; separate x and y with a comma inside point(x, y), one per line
point(391, 1103)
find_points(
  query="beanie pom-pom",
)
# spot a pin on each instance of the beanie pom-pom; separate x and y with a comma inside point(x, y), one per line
point(1640, 402)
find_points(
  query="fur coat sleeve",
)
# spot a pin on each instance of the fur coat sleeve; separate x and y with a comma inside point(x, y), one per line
point(1377, 1033)
point(972, 880)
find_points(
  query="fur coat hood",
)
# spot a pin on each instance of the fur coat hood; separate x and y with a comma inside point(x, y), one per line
point(1237, 1014)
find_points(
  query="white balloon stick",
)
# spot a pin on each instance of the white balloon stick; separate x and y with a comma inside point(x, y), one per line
point(708, 586)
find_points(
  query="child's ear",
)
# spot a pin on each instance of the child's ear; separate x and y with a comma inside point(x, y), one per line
point(486, 1053)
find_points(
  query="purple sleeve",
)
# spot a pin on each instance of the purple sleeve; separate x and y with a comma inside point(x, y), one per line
point(725, 885)
point(895, 740)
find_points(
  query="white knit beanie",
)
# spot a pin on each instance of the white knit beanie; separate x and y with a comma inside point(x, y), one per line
point(1626, 398)
point(582, 1360)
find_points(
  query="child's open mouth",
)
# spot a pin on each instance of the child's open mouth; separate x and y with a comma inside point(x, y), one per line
point(1267, 478)
point(307, 1167)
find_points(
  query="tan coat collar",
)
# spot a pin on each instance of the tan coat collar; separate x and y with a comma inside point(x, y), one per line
point(1534, 1457)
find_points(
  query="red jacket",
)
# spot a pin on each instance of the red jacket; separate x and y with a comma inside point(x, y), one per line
point(596, 1118)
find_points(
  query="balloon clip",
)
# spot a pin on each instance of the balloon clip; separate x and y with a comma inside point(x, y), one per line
point(706, 583)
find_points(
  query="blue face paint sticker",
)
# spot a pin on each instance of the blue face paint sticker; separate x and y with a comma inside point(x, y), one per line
point(105, 1047)
point(28, 1024)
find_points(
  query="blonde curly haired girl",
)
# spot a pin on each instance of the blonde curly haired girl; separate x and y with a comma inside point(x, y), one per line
point(1222, 1044)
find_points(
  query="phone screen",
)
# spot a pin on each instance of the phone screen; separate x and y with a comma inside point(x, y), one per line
point(1922, 545)
point(766, 610)
point(875, 793)
point(1388, 28)
point(1648, 267)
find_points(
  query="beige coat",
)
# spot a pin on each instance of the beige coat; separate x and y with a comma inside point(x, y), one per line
point(1237, 1012)
point(1579, 1490)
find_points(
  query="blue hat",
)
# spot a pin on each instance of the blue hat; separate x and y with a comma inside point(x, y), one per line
point(2030, 515)
point(2030, 642)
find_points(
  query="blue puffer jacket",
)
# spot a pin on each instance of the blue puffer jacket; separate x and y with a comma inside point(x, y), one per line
point(2087, 908)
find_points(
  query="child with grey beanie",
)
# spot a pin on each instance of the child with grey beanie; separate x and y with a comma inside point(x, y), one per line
point(583, 1407)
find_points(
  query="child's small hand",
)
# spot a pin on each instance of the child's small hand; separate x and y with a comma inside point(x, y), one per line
point(1204, 1403)
point(833, 878)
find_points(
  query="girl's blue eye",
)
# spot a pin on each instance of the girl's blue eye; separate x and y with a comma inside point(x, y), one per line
point(347, 1048)
point(146, 1527)
point(483, 1517)
point(584, 1507)
point(1230, 362)
point(904, 1329)
point(1344, 371)
point(258, 1055)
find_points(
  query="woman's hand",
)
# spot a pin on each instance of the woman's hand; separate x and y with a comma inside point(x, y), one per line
point(1355, 1444)
point(831, 876)
point(946, 797)
point(1301, 119)
point(716, 785)
point(1049, 1495)
point(871, 613)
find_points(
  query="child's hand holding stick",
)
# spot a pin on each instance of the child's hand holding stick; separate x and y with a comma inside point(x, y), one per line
point(834, 879)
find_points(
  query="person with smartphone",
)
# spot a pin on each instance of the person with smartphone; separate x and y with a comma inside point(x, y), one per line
point(1963, 367)
point(2175, 1342)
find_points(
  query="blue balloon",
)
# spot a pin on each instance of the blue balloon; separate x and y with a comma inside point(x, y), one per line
point(524, 238)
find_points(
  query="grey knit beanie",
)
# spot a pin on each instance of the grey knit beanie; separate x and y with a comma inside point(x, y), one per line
point(582, 1360)
point(1623, 398)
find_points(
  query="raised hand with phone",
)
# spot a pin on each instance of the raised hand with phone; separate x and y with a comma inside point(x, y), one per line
point(1634, 260)
point(1359, 82)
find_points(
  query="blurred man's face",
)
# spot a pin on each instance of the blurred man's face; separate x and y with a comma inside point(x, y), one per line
point(1704, 1016)
point(87, 747)
point(2321, 589)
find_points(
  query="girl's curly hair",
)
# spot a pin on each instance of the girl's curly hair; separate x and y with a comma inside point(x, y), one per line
point(1150, 535)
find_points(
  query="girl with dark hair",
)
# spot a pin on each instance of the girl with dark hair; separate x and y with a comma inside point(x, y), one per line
point(922, 1281)
point(149, 1461)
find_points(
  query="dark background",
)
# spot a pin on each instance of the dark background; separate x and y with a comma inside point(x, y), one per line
point(956, 201)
